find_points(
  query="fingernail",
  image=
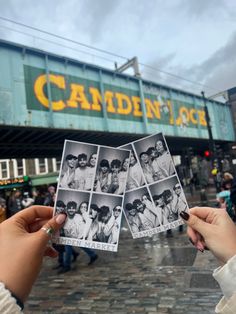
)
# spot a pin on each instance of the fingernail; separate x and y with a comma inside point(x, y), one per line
point(201, 250)
point(60, 219)
point(184, 215)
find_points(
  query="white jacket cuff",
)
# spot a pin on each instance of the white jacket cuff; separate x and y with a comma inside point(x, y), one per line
point(7, 302)
point(225, 276)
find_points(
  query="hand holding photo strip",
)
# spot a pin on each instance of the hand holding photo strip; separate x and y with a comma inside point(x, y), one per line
point(91, 190)
point(155, 198)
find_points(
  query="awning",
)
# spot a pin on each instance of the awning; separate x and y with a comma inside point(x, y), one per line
point(49, 178)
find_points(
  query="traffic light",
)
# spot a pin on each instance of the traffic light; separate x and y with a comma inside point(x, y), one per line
point(207, 153)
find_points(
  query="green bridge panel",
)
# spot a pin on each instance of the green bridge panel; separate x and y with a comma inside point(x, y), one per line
point(48, 91)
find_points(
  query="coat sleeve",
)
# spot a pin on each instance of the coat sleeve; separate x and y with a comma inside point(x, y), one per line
point(7, 302)
point(227, 306)
point(225, 276)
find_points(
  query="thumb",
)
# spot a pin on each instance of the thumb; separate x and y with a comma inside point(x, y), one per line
point(194, 222)
point(53, 225)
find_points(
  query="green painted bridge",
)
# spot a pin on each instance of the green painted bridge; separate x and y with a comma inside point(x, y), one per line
point(46, 98)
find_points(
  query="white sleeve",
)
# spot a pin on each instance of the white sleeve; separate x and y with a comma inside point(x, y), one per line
point(226, 306)
point(225, 276)
point(7, 302)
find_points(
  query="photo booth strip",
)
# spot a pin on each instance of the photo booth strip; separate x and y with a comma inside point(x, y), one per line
point(91, 190)
point(154, 204)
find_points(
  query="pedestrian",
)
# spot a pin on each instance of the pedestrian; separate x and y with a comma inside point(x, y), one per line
point(27, 201)
point(227, 181)
point(39, 197)
point(225, 203)
point(3, 209)
point(15, 202)
point(50, 196)
point(74, 228)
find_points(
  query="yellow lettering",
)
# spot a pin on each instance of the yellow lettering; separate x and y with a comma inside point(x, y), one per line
point(202, 117)
point(109, 102)
point(169, 104)
point(78, 96)
point(124, 105)
point(192, 117)
point(96, 99)
point(59, 81)
point(153, 109)
point(136, 103)
point(183, 112)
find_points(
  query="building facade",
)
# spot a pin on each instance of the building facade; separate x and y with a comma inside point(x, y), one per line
point(28, 173)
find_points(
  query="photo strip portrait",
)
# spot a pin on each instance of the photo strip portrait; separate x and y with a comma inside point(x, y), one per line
point(155, 206)
point(78, 166)
point(135, 175)
point(154, 158)
point(91, 189)
point(112, 171)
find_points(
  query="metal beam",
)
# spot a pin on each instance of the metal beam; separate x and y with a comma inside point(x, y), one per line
point(132, 63)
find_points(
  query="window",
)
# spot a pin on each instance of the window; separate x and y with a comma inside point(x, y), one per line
point(41, 165)
point(56, 164)
point(19, 167)
point(4, 169)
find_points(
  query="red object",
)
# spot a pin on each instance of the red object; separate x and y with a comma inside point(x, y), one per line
point(207, 153)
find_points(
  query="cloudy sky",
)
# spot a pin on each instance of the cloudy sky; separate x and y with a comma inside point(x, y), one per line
point(192, 39)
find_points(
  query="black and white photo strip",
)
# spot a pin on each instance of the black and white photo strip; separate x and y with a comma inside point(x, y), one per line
point(154, 158)
point(154, 207)
point(135, 175)
point(91, 191)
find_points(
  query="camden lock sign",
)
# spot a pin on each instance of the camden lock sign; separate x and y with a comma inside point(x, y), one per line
point(75, 95)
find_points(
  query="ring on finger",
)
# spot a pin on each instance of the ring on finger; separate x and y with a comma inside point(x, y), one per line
point(48, 230)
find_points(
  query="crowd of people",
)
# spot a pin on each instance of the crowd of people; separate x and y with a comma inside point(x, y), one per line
point(142, 215)
point(18, 200)
point(226, 196)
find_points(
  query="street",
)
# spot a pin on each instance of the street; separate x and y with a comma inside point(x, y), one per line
point(149, 275)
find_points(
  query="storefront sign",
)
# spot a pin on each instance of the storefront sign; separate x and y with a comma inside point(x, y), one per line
point(10, 181)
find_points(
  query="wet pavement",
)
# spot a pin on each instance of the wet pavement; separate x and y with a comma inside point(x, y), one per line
point(149, 275)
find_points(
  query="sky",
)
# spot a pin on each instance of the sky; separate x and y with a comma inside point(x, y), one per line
point(190, 39)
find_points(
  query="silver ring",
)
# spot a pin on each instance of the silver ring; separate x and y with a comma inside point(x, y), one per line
point(49, 231)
